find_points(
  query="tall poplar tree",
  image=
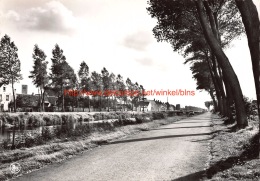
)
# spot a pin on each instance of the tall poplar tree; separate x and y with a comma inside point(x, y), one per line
point(39, 73)
point(10, 65)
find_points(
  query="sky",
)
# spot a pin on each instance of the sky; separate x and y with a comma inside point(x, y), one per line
point(116, 34)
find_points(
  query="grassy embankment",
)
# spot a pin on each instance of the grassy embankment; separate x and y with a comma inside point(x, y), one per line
point(56, 146)
point(234, 154)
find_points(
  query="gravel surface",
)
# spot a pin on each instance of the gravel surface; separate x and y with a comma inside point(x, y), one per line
point(178, 151)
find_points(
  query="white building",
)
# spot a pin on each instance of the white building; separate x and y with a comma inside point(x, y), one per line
point(151, 105)
point(6, 96)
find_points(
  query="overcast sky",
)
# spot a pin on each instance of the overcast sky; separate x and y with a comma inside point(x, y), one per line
point(116, 34)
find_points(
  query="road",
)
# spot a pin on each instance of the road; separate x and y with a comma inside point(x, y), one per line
point(174, 152)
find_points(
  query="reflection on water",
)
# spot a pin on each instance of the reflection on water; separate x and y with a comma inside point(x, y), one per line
point(7, 133)
point(20, 133)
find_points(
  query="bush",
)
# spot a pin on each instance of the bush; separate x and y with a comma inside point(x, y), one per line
point(5, 144)
point(171, 113)
point(97, 116)
point(39, 140)
point(142, 118)
point(29, 141)
point(249, 106)
point(159, 115)
point(34, 120)
point(47, 120)
point(46, 134)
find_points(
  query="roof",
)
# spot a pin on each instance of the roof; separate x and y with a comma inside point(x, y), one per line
point(143, 103)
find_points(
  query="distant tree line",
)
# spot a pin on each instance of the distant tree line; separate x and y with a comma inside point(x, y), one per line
point(62, 77)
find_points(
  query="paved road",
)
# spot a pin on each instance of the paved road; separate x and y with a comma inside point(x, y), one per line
point(176, 152)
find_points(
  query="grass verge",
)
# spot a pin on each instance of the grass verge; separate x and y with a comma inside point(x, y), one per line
point(234, 154)
point(39, 156)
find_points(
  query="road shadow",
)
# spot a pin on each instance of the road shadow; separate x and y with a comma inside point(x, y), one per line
point(181, 122)
point(197, 176)
point(159, 137)
point(195, 118)
point(202, 140)
point(181, 127)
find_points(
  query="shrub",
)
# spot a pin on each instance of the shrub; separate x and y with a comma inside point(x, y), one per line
point(139, 118)
point(39, 140)
point(47, 120)
point(5, 143)
point(159, 115)
point(97, 116)
point(249, 106)
point(29, 141)
point(46, 133)
point(34, 120)
point(171, 113)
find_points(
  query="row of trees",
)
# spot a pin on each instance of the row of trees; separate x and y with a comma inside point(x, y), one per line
point(62, 77)
point(201, 31)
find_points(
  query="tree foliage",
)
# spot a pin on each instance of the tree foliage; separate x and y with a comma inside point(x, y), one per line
point(10, 66)
point(39, 73)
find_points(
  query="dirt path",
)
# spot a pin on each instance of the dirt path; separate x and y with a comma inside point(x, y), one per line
point(177, 151)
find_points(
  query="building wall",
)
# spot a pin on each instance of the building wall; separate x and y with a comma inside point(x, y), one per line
point(6, 96)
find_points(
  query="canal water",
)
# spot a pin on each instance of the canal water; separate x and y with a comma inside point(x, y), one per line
point(7, 133)
point(20, 133)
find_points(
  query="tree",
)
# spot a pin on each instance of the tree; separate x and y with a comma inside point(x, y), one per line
point(201, 74)
point(39, 74)
point(62, 75)
point(84, 80)
point(228, 72)
point(10, 66)
point(180, 22)
point(208, 104)
point(113, 87)
point(107, 84)
point(121, 88)
point(137, 95)
point(130, 88)
point(250, 20)
point(97, 83)
point(141, 88)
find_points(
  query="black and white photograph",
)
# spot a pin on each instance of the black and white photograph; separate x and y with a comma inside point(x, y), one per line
point(129, 90)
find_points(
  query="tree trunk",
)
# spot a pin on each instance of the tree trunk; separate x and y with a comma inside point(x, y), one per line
point(219, 107)
point(12, 81)
point(225, 66)
point(213, 98)
point(43, 95)
point(115, 102)
point(220, 85)
point(230, 102)
point(62, 96)
point(88, 104)
point(251, 22)
point(108, 103)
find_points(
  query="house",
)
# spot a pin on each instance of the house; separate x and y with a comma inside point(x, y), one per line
point(151, 105)
point(6, 96)
point(143, 106)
